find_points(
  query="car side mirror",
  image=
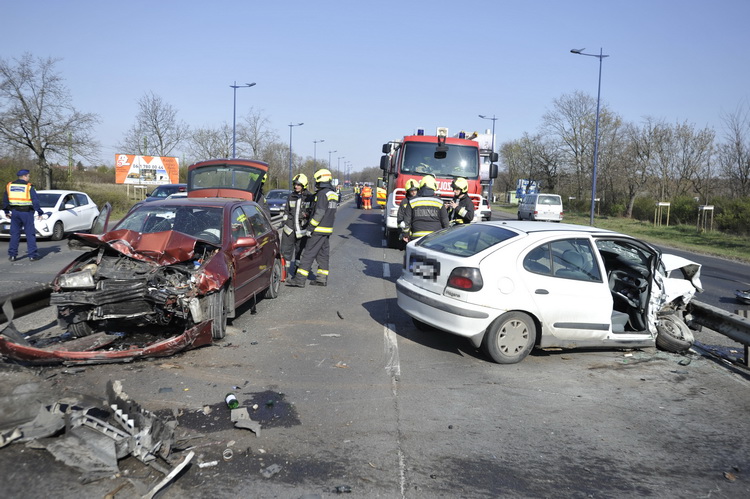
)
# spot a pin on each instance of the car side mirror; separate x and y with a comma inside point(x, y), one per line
point(245, 242)
point(69, 206)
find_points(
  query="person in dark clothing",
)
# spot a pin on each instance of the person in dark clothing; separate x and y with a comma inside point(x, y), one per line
point(426, 212)
point(295, 220)
point(461, 209)
point(320, 229)
point(20, 201)
point(412, 187)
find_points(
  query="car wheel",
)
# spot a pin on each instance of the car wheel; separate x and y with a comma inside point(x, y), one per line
point(93, 224)
point(510, 338)
point(673, 335)
point(393, 238)
point(218, 311)
point(58, 231)
point(80, 329)
point(273, 289)
point(422, 326)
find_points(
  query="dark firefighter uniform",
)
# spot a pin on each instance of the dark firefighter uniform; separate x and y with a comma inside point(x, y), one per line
point(461, 210)
point(426, 212)
point(412, 186)
point(20, 201)
point(320, 229)
point(296, 217)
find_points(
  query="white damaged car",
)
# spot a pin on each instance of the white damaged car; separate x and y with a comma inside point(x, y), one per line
point(510, 286)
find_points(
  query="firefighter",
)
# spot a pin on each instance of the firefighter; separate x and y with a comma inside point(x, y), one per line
point(367, 197)
point(320, 229)
point(426, 212)
point(295, 220)
point(20, 202)
point(412, 187)
point(461, 208)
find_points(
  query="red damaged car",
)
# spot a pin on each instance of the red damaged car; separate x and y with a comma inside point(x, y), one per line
point(166, 278)
point(171, 263)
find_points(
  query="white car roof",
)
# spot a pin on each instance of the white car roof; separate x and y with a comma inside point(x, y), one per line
point(530, 227)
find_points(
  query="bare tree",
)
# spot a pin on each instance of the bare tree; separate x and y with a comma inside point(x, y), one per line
point(36, 113)
point(156, 131)
point(570, 122)
point(255, 132)
point(208, 143)
point(734, 153)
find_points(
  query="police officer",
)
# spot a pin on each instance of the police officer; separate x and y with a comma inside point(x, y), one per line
point(320, 229)
point(426, 212)
point(296, 217)
point(461, 209)
point(20, 202)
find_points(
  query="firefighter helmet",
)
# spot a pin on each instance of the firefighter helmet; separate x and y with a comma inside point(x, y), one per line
point(300, 179)
point(461, 184)
point(322, 175)
point(428, 181)
point(412, 184)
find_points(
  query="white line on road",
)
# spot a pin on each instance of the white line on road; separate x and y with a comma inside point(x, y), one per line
point(386, 269)
point(392, 364)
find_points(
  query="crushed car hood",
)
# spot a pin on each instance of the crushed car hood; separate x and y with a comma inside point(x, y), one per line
point(161, 248)
point(685, 285)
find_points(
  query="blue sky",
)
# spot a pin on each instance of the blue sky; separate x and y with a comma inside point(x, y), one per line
point(361, 73)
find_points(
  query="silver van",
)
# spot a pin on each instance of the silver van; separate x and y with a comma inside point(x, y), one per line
point(541, 207)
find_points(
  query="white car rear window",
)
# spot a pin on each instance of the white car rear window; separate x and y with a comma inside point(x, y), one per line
point(465, 240)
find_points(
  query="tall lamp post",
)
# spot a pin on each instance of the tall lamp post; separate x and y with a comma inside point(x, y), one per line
point(338, 166)
point(234, 115)
point(600, 56)
point(494, 119)
point(315, 147)
point(329, 159)
point(291, 127)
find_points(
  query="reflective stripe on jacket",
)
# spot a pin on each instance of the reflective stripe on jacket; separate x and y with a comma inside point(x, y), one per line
point(423, 215)
point(19, 194)
point(326, 201)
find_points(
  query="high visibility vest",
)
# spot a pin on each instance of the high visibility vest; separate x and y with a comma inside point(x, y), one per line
point(367, 192)
point(19, 194)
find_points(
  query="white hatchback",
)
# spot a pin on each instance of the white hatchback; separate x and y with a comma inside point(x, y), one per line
point(64, 211)
point(509, 286)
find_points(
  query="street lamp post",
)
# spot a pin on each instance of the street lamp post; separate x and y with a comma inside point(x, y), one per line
point(494, 119)
point(600, 56)
point(338, 166)
point(291, 126)
point(315, 147)
point(234, 115)
point(329, 159)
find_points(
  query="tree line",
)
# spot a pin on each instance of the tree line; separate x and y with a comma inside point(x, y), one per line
point(639, 164)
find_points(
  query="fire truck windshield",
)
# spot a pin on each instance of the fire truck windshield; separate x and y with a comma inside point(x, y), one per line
point(461, 161)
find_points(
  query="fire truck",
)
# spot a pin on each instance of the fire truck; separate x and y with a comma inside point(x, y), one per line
point(445, 157)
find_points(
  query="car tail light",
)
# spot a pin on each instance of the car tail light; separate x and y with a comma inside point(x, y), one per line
point(466, 279)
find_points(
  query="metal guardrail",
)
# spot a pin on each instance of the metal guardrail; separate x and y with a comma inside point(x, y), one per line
point(27, 301)
point(734, 326)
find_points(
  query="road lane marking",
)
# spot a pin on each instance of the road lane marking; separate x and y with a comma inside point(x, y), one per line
point(386, 269)
point(392, 364)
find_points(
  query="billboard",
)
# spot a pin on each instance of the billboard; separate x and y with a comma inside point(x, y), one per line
point(132, 169)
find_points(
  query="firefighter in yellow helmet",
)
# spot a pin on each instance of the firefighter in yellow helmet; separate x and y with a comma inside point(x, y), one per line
point(424, 213)
point(295, 220)
point(320, 228)
point(461, 208)
point(412, 187)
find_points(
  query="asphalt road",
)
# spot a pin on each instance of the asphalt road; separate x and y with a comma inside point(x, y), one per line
point(352, 397)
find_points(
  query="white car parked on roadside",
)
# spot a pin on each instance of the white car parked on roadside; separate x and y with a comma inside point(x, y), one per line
point(509, 286)
point(64, 211)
